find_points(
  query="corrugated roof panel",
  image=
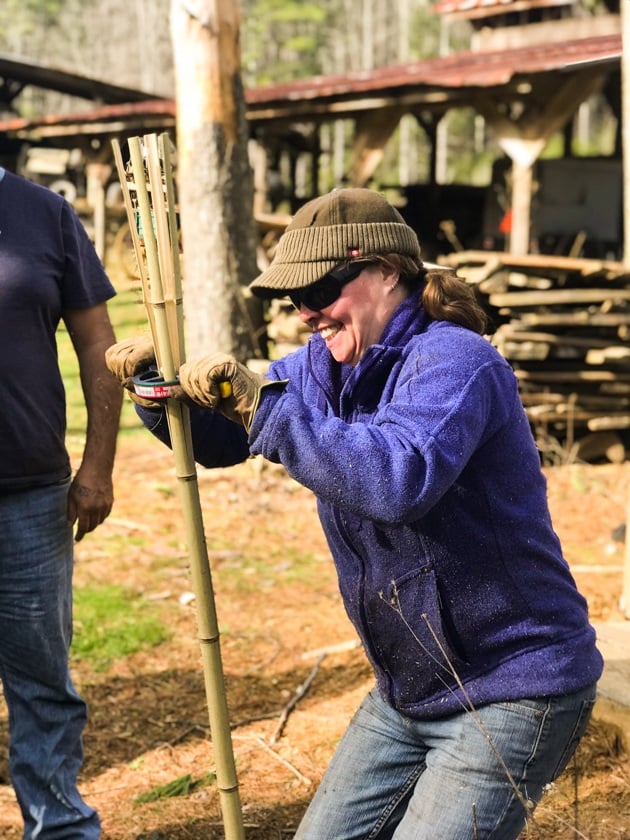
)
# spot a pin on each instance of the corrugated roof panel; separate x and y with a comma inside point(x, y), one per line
point(463, 69)
point(449, 6)
point(487, 8)
point(460, 71)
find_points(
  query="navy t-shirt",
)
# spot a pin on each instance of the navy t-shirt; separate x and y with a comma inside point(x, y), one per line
point(47, 264)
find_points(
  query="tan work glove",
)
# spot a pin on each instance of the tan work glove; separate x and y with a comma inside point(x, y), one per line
point(220, 382)
point(129, 358)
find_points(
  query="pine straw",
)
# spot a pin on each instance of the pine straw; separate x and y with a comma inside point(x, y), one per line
point(148, 717)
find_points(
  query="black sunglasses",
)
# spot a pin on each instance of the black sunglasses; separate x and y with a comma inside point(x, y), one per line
point(326, 291)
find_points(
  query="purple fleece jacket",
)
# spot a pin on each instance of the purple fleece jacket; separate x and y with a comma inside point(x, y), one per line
point(434, 506)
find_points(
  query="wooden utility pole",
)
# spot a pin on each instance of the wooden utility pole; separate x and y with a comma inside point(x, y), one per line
point(625, 144)
point(624, 10)
point(215, 180)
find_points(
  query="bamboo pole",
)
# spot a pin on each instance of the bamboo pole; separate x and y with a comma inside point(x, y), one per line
point(153, 187)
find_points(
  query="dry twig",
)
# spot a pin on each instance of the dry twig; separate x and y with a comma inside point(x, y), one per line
point(299, 693)
point(261, 742)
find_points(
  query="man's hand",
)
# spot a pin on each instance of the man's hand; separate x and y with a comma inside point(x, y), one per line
point(91, 495)
point(90, 501)
point(222, 383)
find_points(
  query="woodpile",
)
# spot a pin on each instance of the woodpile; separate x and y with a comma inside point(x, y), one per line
point(563, 323)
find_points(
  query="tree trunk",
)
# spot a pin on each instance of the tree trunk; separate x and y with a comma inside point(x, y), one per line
point(215, 181)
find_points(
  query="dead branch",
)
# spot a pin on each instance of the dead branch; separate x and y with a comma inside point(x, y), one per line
point(351, 644)
point(299, 693)
point(282, 760)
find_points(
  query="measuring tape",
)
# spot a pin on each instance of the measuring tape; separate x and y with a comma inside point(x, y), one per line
point(152, 386)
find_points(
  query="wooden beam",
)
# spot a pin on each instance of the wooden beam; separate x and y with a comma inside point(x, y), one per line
point(523, 138)
point(539, 262)
point(553, 297)
point(372, 131)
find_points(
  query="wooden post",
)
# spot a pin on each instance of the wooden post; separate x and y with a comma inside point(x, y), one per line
point(625, 142)
point(97, 176)
point(624, 602)
point(524, 154)
point(625, 125)
point(215, 180)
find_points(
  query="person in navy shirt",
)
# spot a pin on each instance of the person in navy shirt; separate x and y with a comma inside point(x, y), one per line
point(49, 273)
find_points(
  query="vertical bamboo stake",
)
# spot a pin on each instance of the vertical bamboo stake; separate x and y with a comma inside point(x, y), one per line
point(161, 281)
point(133, 227)
point(624, 602)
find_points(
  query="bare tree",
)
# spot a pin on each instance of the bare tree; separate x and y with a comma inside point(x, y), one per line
point(215, 179)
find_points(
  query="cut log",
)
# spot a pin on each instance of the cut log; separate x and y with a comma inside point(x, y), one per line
point(545, 262)
point(611, 421)
point(599, 445)
point(555, 297)
point(607, 355)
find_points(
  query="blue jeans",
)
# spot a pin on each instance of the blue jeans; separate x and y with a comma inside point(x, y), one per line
point(46, 715)
point(395, 778)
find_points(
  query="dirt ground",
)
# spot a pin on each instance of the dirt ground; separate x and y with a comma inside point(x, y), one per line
point(293, 671)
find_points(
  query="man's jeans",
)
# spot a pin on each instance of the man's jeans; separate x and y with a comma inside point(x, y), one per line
point(394, 778)
point(46, 715)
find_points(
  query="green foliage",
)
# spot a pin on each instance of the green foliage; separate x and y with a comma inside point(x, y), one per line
point(296, 13)
point(424, 34)
point(554, 147)
point(280, 40)
point(38, 10)
point(110, 622)
point(24, 17)
point(181, 786)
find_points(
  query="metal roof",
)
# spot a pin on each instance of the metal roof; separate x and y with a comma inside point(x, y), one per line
point(104, 118)
point(22, 73)
point(469, 69)
point(434, 83)
point(486, 8)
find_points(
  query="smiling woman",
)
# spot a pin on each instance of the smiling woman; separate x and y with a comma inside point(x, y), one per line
point(407, 425)
point(347, 277)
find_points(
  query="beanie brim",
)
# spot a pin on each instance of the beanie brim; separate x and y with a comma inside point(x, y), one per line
point(281, 278)
point(304, 255)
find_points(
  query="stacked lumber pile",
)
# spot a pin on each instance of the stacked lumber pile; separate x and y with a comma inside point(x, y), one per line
point(563, 323)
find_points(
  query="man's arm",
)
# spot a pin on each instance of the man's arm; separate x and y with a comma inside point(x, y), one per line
point(91, 493)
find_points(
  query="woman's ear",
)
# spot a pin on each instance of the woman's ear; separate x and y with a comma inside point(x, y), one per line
point(391, 277)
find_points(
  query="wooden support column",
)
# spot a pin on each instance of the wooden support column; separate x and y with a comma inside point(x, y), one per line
point(523, 154)
point(524, 137)
point(372, 131)
point(429, 123)
point(260, 167)
point(97, 175)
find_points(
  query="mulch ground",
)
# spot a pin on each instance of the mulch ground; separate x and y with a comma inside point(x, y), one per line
point(293, 671)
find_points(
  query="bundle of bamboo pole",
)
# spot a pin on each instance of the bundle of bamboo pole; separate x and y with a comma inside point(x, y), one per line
point(149, 194)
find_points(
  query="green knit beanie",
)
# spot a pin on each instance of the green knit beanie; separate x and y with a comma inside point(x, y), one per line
point(343, 225)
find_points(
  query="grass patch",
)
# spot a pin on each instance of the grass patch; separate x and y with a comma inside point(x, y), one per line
point(110, 622)
point(181, 786)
